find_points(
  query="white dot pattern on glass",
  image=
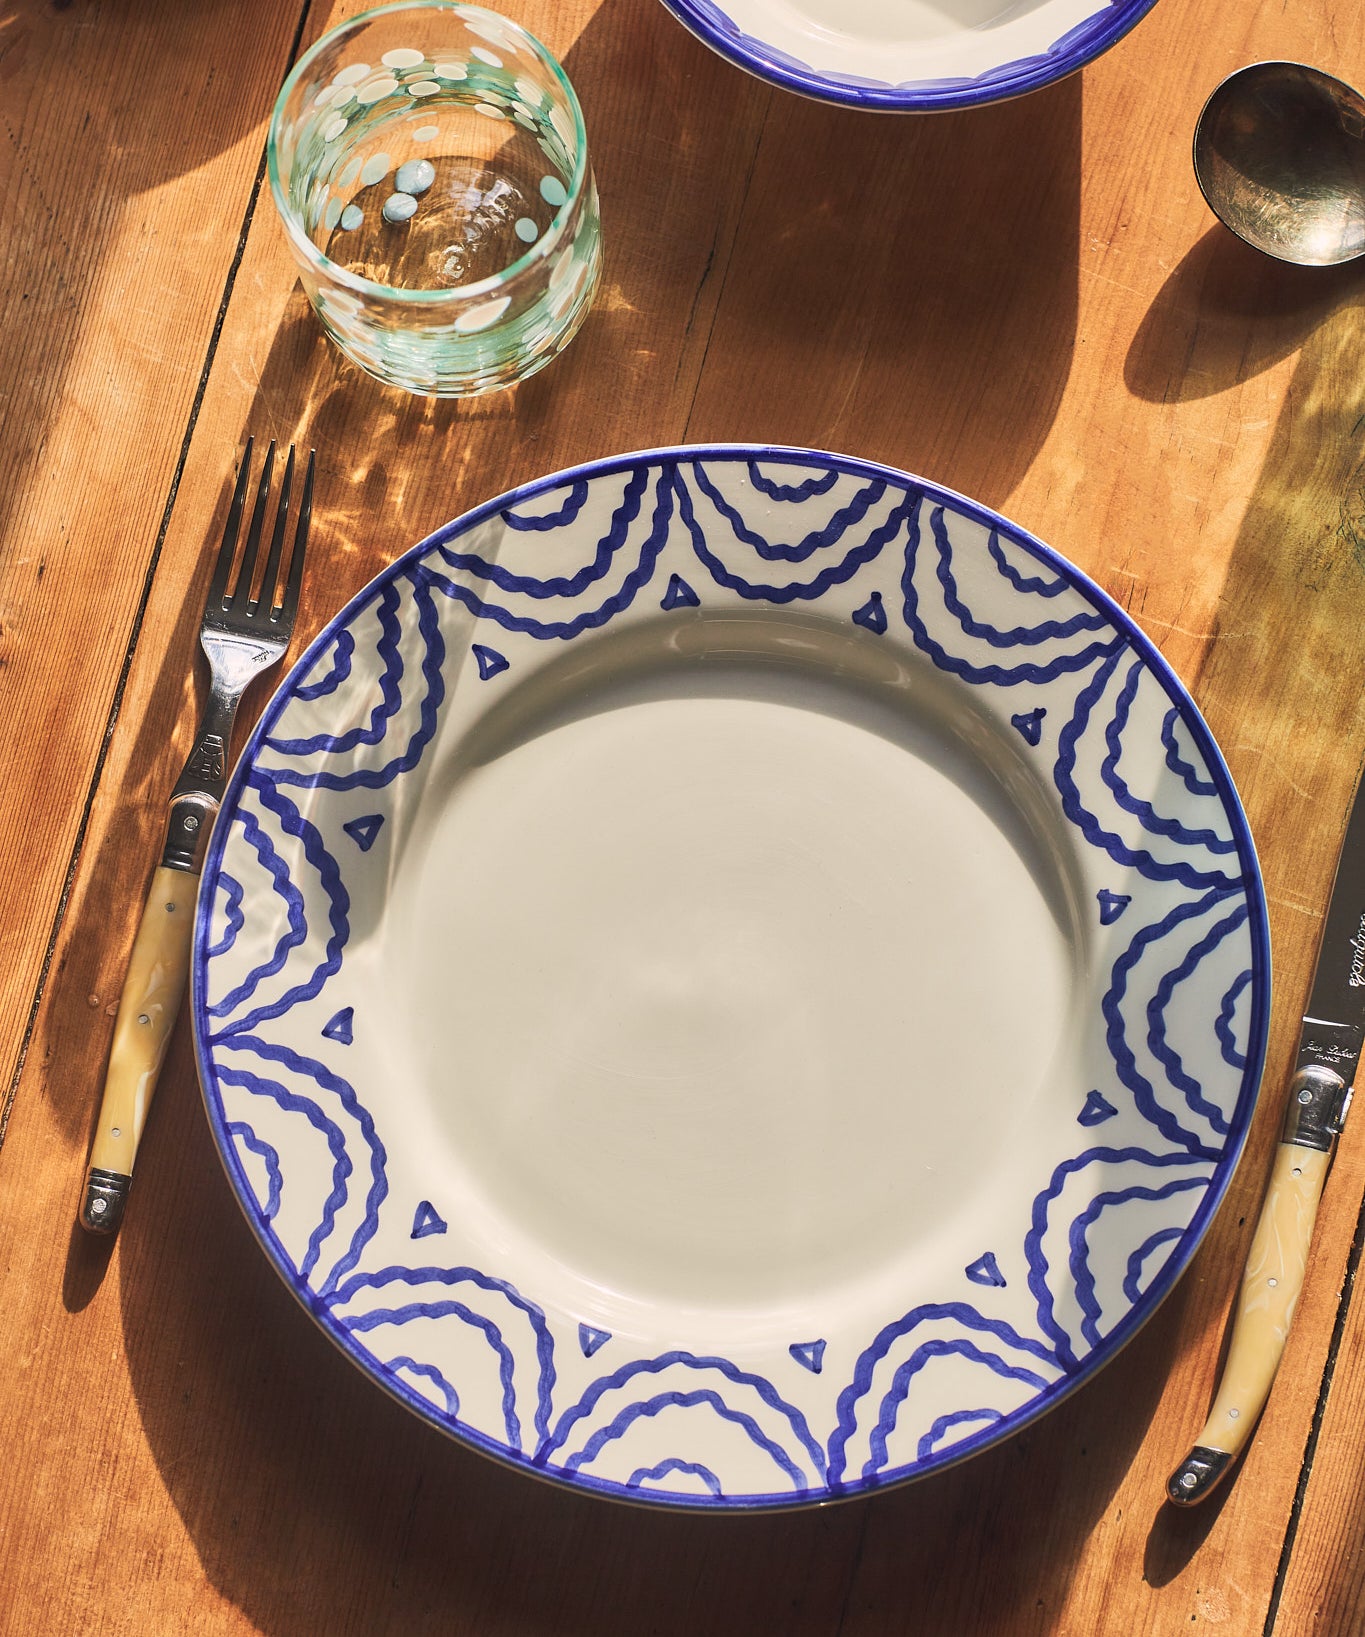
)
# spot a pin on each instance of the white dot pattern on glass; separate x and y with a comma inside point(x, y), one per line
point(486, 313)
point(494, 30)
point(399, 207)
point(414, 176)
point(553, 191)
point(563, 295)
point(561, 269)
point(490, 68)
point(564, 128)
point(333, 129)
point(376, 90)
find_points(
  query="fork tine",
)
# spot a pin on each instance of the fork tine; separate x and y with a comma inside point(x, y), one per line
point(271, 572)
point(223, 567)
point(284, 614)
point(253, 535)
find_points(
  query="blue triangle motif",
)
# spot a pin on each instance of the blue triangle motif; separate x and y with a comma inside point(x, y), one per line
point(872, 615)
point(679, 594)
point(1030, 724)
point(339, 1028)
point(363, 830)
point(427, 1220)
point(1112, 905)
point(1097, 1109)
point(490, 661)
point(986, 1271)
point(590, 1340)
point(809, 1354)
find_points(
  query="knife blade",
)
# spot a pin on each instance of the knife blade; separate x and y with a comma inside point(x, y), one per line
point(1320, 1091)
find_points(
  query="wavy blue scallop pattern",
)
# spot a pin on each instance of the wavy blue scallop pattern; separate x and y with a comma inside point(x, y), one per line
point(1076, 46)
point(1177, 1034)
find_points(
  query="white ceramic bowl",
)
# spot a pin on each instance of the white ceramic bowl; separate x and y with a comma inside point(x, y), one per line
point(910, 56)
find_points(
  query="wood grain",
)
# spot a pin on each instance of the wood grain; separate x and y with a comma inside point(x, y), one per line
point(130, 135)
point(1028, 303)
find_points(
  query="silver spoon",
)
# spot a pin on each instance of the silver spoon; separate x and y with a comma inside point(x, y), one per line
point(1279, 153)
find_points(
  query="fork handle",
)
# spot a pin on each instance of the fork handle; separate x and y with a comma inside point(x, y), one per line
point(147, 1012)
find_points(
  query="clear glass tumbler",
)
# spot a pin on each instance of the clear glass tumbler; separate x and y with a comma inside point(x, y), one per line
point(430, 166)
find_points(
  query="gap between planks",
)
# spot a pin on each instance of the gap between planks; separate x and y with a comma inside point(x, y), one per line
point(1315, 1426)
point(135, 632)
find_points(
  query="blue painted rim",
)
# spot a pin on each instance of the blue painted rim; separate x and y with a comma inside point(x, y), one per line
point(1258, 924)
point(1078, 46)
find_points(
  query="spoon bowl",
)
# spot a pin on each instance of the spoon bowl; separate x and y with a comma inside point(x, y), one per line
point(1279, 154)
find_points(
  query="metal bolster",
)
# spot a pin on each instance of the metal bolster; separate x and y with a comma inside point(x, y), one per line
point(188, 832)
point(1200, 1472)
point(1318, 1101)
point(106, 1193)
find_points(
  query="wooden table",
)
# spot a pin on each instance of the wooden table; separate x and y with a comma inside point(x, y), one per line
point(1028, 303)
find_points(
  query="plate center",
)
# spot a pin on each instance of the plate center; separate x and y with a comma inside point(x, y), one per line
point(719, 1000)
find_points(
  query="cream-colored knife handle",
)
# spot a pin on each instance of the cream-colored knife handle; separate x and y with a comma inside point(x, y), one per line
point(146, 1016)
point(1265, 1310)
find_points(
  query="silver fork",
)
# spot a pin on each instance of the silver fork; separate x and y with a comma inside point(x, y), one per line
point(242, 634)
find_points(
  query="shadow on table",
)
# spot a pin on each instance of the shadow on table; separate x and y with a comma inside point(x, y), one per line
point(905, 288)
point(1224, 315)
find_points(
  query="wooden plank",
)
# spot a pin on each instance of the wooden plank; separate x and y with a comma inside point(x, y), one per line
point(1324, 1584)
point(129, 140)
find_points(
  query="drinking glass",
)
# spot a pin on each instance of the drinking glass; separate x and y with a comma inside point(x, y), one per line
point(430, 166)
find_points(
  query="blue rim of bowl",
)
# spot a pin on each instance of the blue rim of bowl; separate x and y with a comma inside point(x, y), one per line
point(1240, 1122)
point(1079, 45)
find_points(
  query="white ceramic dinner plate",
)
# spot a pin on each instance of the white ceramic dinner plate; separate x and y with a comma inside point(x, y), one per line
point(911, 56)
point(730, 977)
